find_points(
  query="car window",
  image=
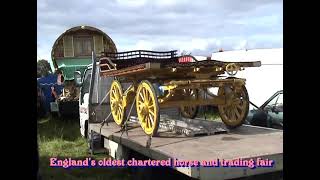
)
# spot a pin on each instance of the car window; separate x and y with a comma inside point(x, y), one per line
point(273, 101)
point(279, 103)
point(280, 99)
point(276, 103)
point(86, 84)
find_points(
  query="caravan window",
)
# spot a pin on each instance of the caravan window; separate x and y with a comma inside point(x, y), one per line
point(83, 45)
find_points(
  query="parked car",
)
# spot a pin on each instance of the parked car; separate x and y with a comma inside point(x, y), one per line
point(270, 114)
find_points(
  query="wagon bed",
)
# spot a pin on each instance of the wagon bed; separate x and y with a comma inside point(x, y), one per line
point(162, 64)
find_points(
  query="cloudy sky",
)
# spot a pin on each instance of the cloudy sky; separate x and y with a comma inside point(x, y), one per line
point(200, 27)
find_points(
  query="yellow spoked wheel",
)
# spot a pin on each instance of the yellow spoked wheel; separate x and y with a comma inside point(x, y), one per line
point(147, 108)
point(189, 111)
point(236, 109)
point(116, 106)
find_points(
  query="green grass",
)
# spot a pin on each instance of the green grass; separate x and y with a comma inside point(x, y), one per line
point(210, 114)
point(62, 139)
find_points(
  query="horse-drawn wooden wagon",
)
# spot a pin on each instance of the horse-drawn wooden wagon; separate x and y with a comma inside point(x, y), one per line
point(164, 80)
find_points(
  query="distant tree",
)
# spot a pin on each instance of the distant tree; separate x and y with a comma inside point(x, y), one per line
point(43, 68)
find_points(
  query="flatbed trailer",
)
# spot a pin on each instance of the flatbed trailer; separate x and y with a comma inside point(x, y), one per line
point(245, 143)
point(208, 140)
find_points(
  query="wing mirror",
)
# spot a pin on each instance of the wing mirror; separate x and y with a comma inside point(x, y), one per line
point(77, 78)
point(275, 109)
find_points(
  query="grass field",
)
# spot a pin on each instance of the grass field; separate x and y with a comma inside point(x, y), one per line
point(62, 139)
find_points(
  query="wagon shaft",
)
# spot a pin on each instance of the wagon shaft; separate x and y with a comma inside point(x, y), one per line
point(190, 84)
point(198, 102)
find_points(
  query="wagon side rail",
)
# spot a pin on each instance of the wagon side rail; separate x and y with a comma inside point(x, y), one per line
point(189, 58)
point(141, 54)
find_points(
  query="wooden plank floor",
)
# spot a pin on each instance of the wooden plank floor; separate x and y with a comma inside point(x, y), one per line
point(243, 142)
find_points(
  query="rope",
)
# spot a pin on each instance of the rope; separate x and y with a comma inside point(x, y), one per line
point(124, 126)
point(104, 121)
point(104, 98)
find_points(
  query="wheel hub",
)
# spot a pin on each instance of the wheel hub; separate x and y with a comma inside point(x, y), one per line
point(145, 110)
point(116, 104)
point(230, 99)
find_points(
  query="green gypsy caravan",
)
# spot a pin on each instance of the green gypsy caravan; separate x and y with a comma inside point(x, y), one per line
point(72, 52)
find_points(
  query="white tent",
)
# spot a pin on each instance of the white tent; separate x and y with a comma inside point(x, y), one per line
point(261, 82)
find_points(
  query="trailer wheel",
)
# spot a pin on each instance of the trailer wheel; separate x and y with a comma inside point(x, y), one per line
point(117, 109)
point(189, 111)
point(147, 108)
point(234, 113)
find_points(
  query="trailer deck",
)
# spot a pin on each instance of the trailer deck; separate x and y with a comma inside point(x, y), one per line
point(245, 142)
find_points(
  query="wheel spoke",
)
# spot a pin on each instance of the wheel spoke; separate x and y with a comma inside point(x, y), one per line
point(118, 116)
point(147, 97)
point(141, 96)
point(229, 113)
point(237, 113)
point(151, 120)
point(236, 101)
point(232, 118)
point(147, 121)
point(113, 93)
point(151, 112)
point(144, 93)
point(240, 107)
point(151, 106)
point(192, 108)
point(140, 107)
point(117, 94)
point(192, 93)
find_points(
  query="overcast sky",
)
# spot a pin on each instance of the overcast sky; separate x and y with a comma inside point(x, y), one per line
point(200, 27)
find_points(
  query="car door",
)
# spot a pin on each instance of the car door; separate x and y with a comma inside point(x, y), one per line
point(275, 111)
point(84, 101)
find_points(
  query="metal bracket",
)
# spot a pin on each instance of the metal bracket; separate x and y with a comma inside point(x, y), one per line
point(148, 143)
